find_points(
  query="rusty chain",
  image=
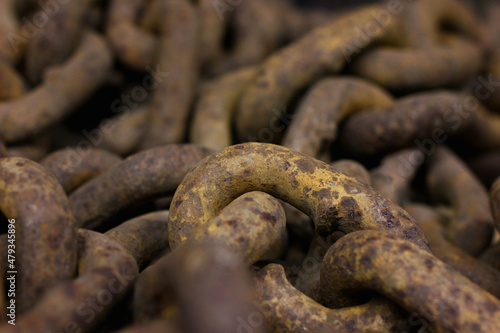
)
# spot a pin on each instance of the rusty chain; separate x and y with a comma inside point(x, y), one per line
point(249, 166)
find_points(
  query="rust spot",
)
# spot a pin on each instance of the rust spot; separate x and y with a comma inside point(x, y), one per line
point(351, 207)
point(268, 217)
point(305, 165)
point(232, 223)
point(366, 261)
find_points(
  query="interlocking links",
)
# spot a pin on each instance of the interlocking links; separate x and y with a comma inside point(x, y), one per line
point(179, 57)
point(55, 40)
point(414, 117)
point(307, 278)
point(451, 182)
point(142, 176)
point(11, 82)
point(214, 110)
point(46, 234)
point(426, 19)
point(287, 310)
point(495, 202)
point(106, 271)
point(333, 200)
point(429, 220)
point(252, 227)
point(393, 177)
point(135, 47)
point(326, 104)
point(300, 223)
point(403, 70)
point(287, 71)
point(195, 284)
point(425, 56)
point(63, 88)
point(145, 236)
point(73, 169)
point(260, 27)
point(413, 278)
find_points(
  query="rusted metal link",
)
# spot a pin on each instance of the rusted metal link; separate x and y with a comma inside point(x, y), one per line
point(213, 117)
point(72, 168)
point(393, 177)
point(279, 302)
point(194, 285)
point(45, 228)
point(11, 82)
point(252, 227)
point(106, 272)
point(333, 200)
point(145, 237)
point(415, 117)
point(143, 176)
point(56, 39)
point(298, 65)
point(133, 38)
point(425, 20)
point(378, 261)
point(136, 47)
point(406, 70)
point(423, 55)
point(126, 131)
point(63, 89)
point(34, 152)
point(211, 31)
point(326, 104)
point(179, 57)
point(259, 27)
point(451, 182)
point(10, 48)
point(430, 221)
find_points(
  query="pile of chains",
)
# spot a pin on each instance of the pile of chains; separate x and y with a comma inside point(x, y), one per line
point(249, 166)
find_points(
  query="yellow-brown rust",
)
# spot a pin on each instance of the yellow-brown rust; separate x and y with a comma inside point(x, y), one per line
point(333, 200)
